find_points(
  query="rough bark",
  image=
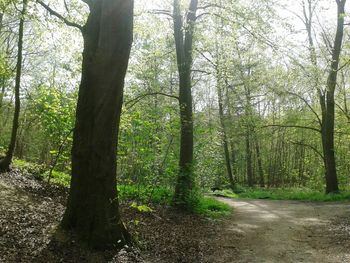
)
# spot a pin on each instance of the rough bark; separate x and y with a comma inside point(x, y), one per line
point(7, 160)
point(93, 209)
point(183, 33)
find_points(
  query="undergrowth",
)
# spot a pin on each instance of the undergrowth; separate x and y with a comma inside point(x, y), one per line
point(141, 196)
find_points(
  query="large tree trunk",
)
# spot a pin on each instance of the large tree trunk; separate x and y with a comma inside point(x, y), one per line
point(93, 210)
point(328, 122)
point(183, 42)
point(6, 161)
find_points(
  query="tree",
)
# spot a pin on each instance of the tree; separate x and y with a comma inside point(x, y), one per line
point(326, 96)
point(6, 161)
point(328, 106)
point(93, 208)
point(183, 33)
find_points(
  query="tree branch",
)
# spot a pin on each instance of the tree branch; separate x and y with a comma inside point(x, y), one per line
point(307, 104)
point(139, 98)
point(292, 126)
point(310, 146)
point(54, 13)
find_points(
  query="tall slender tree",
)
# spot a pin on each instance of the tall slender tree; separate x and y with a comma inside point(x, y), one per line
point(326, 96)
point(7, 160)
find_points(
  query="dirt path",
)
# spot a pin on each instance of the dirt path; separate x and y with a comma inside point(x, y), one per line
point(264, 231)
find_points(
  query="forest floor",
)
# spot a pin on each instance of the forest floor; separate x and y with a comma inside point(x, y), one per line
point(258, 231)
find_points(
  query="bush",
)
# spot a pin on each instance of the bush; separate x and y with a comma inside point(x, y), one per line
point(211, 207)
point(39, 172)
point(145, 194)
point(29, 169)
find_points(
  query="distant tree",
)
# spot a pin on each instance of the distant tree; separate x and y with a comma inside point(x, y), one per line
point(6, 161)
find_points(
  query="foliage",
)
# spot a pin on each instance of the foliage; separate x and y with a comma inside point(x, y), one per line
point(27, 168)
point(41, 173)
point(145, 194)
point(211, 207)
point(142, 208)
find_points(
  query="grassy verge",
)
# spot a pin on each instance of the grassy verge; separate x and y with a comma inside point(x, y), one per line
point(286, 194)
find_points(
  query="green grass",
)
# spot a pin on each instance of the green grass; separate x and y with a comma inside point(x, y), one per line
point(211, 207)
point(286, 194)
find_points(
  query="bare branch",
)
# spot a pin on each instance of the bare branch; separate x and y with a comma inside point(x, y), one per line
point(134, 101)
point(307, 104)
point(310, 146)
point(292, 126)
point(161, 12)
point(54, 13)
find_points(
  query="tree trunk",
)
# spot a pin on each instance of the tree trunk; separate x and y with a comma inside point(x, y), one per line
point(7, 160)
point(249, 160)
point(260, 165)
point(328, 122)
point(183, 42)
point(224, 138)
point(93, 208)
point(326, 98)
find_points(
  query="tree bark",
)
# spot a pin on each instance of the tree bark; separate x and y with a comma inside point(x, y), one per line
point(183, 43)
point(326, 98)
point(328, 121)
point(93, 208)
point(260, 164)
point(7, 160)
point(224, 138)
point(249, 160)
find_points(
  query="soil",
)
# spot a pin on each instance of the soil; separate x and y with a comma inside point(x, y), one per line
point(257, 231)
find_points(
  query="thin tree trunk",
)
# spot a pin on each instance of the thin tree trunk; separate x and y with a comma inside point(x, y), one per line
point(249, 160)
point(260, 165)
point(7, 160)
point(326, 98)
point(224, 138)
point(93, 208)
point(184, 42)
point(328, 122)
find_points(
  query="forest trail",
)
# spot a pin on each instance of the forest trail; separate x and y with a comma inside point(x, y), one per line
point(266, 231)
